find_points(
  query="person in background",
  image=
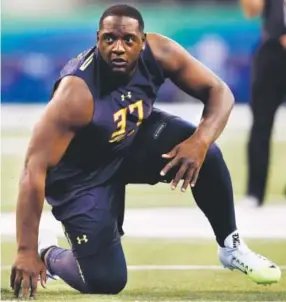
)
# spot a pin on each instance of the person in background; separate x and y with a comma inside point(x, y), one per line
point(268, 90)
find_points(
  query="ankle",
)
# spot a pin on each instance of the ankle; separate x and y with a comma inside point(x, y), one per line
point(45, 253)
point(233, 240)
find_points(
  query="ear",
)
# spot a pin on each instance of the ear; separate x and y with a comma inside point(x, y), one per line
point(97, 36)
point(144, 38)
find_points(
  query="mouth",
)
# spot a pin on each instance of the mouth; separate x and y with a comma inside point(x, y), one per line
point(118, 62)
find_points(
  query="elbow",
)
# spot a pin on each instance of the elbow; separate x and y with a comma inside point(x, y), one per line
point(229, 95)
point(253, 9)
point(26, 178)
point(251, 13)
point(32, 177)
point(226, 95)
point(31, 191)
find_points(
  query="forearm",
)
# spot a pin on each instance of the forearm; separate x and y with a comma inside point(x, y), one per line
point(252, 8)
point(29, 210)
point(215, 114)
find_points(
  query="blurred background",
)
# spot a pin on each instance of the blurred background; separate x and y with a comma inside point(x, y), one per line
point(39, 37)
point(37, 40)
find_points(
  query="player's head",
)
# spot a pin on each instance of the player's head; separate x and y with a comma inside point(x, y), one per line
point(121, 37)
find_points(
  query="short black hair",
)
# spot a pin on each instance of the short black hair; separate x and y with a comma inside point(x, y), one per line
point(123, 10)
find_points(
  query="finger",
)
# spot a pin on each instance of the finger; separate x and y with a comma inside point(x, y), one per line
point(17, 283)
point(43, 278)
point(170, 154)
point(188, 179)
point(12, 277)
point(26, 285)
point(180, 174)
point(34, 283)
point(169, 166)
point(195, 177)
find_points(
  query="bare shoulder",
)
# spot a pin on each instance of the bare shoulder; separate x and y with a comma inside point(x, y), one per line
point(160, 45)
point(72, 102)
point(170, 54)
point(181, 67)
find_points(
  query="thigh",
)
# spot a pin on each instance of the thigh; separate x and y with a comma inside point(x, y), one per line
point(94, 224)
point(158, 135)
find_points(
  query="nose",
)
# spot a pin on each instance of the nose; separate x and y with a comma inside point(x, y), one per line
point(118, 48)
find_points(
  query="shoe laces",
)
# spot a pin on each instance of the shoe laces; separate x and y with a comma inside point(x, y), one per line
point(247, 257)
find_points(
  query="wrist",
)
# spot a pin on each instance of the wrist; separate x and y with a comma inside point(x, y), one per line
point(203, 139)
point(25, 249)
point(29, 245)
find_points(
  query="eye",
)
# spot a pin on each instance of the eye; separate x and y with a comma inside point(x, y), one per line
point(129, 39)
point(109, 38)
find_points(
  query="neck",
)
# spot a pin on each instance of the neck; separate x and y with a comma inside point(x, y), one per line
point(116, 79)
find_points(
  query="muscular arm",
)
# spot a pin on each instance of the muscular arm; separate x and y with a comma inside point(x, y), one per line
point(252, 8)
point(70, 109)
point(196, 80)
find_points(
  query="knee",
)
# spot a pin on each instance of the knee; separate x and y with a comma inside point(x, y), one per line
point(214, 161)
point(106, 283)
point(214, 154)
point(214, 169)
point(115, 285)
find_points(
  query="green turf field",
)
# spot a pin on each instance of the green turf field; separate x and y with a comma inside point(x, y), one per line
point(166, 284)
point(172, 285)
point(161, 195)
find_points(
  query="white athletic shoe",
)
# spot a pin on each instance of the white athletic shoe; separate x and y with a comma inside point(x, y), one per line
point(47, 238)
point(236, 255)
point(250, 202)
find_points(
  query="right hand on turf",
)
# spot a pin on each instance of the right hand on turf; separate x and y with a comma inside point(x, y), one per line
point(27, 267)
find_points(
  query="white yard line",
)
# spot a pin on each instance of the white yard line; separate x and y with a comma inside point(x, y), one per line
point(180, 267)
point(167, 267)
point(267, 222)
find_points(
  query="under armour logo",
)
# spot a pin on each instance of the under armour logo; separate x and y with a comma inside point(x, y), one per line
point(83, 239)
point(124, 96)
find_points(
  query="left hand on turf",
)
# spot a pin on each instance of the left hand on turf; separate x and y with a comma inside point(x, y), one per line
point(190, 155)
